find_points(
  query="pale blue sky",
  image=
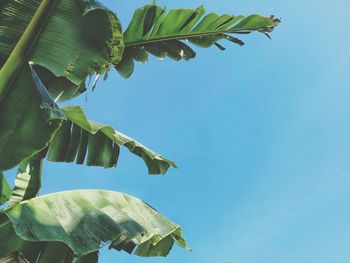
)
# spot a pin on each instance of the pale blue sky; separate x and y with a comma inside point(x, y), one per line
point(260, 134)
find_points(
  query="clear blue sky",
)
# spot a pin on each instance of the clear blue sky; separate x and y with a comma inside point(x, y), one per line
point(260, 134)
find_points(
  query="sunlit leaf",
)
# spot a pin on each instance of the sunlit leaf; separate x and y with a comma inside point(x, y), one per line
point(28, 180)
point(86, 219)
point(80, 139)
point(153, 31)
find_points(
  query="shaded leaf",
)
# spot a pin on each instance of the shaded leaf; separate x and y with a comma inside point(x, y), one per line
point(75, 40)
point(90, 258)
point(28, 119)
point(60, 88)
point(5, 189)
point(54, 252)
point(14, 258)
point(80, 38)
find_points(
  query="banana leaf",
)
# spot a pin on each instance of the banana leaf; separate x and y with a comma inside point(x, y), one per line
point(153, 31)
point(28, 180)
point(80, 37)
point(70, 40)
point(5, 189)
point(84, 221)
point(28, 119)
point(15, 248)
point(79, 139)
point(60, 88)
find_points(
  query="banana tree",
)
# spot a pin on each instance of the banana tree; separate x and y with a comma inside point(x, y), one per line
point(48, 51)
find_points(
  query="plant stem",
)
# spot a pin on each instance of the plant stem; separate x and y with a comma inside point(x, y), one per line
point(21, 52)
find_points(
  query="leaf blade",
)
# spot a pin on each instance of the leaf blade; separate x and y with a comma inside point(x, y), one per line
point(28, 180)
point(108, 217)
point(5, 189)
point(101, 144)
point(182, 25)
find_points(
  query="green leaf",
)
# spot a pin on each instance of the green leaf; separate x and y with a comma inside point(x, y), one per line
point(28, 180)
point(5, 189)
point(18, 56)
point(60, 88)
point(152, 31)
point(90, 258)
point(54, 252)
point(86, 219)
point(79, 139)
point(28, 119)
point(90, 42)
point(65, 42)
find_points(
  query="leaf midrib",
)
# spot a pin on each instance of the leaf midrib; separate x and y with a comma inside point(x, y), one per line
point(187, 36)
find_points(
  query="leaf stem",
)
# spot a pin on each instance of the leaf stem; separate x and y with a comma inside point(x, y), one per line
point(22, 50)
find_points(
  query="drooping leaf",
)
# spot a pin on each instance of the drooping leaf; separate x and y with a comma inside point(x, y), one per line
point(79, 139)
point(60, 88)
point(80, 37)
point(28, 119)
point(28, 180)
point(5, 189)
point(86, 219)
point(69, 42)
point(25, 104)
point(153, 31)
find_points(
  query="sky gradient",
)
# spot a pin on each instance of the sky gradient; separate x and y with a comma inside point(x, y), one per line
point(260, 134)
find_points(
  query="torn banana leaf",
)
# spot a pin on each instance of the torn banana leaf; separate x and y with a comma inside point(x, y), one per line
point(153, 31)
point(72, 40)
point(82, 140)
point(85, 220)
point(28, 119)
point(28, 180)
